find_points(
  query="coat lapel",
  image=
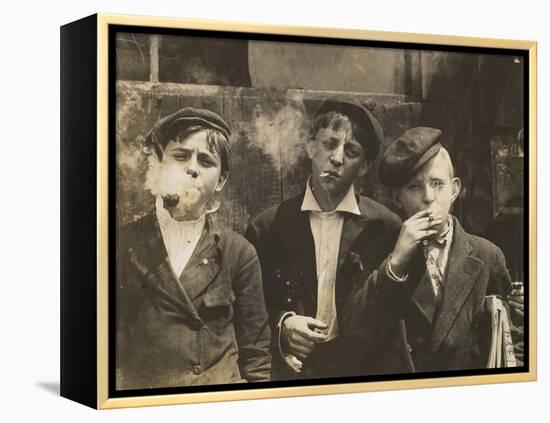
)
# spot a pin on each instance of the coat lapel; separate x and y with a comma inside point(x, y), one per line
point(424, 298)
point(295, 232)
point(420, 288)
point(463, 270)
point(150, 259)
point(360, 233)
point(353, 226)
point(204, 264)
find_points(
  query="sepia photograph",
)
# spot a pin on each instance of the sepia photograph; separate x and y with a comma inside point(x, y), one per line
point(292, 211)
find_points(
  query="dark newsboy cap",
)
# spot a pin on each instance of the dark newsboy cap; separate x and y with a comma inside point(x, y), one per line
point(408, 153)
point(370, 134)
point(170, 126)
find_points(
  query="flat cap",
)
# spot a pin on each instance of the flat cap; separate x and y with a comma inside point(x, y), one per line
point(370, 134)
point(408, 153)
point(170, 126)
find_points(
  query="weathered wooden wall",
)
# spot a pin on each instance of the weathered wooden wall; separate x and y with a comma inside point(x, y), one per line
point(269, 129)
point(268, 91)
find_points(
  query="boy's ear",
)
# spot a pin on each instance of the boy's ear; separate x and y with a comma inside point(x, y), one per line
point(396, 197)
point(310, 147)
point(456, 186)
point(221, 181)
point(365, 166)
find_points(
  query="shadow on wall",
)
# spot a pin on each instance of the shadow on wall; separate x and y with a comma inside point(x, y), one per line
point(473, 99)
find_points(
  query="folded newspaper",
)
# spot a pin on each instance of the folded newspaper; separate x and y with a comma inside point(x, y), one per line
point(501, 353)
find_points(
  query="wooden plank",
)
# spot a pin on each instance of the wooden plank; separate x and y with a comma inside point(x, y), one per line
point(154, 58)
point(254, 182)
point(269, 131)
point(136, 113)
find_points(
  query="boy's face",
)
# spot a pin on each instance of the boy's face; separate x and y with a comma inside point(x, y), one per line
point(337, 159)
point(189, 174)
point(432, 187)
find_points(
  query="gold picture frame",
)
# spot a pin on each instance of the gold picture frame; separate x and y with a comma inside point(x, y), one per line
point(87, 48)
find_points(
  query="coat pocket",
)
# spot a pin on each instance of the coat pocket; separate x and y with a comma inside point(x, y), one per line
point(222, 295)
point(217, 308)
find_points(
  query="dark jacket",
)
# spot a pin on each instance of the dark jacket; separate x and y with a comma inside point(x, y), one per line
point(208, 327)
point(286, 249)
point(403, 329)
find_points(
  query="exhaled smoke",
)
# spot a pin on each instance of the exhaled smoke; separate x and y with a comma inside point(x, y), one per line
point(179, 189)
point(278, 134)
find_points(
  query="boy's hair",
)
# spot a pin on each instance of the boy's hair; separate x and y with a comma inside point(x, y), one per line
point(186, 121)
point(216, 141)
point(446, 157)
point(443, 151)
point(337, 109)
point(335, 120)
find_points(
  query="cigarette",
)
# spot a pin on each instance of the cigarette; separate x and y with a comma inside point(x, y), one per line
point(171, 200)
point(294, 363)
point(324, 174)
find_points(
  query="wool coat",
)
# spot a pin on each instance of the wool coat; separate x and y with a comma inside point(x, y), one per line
point(209, 326)
point(284, 241)
point(401, 327)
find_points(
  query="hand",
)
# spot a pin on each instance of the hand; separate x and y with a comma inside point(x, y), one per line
point(515, 298)
point(418, 227)
point(299, 336)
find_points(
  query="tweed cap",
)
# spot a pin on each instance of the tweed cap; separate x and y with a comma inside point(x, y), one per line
point(408, 153)
point(170, 126)
point(370, 134)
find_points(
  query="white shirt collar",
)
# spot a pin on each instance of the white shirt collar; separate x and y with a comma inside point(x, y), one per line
point(447, 236)
point(348, 203)
point(180, 237)
point(167, 222)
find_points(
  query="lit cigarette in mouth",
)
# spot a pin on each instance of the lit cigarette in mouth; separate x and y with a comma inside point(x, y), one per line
point(325, 174)
point(171, 200)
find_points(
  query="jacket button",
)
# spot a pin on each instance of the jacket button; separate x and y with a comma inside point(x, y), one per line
point(288, 300)
point(287, 283)
point(197, 370)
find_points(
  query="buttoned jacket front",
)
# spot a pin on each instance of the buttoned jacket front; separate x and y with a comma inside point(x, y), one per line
point(209, 326)
point(284, 241)
point(400, 327)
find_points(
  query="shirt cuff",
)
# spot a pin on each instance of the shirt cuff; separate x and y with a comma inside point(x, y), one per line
point(390, 273)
